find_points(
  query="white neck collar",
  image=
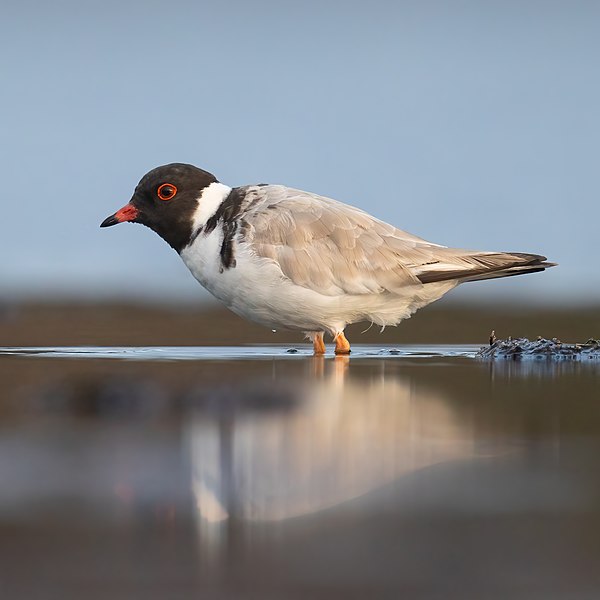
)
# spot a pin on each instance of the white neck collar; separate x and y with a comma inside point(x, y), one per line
point(208, 203)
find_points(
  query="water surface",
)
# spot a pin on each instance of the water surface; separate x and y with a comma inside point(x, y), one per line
point(262, 472)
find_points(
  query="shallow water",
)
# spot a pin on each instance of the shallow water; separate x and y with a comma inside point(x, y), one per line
point(232, 352)
point(262, 472)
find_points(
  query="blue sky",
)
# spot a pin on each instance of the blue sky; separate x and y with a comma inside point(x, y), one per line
point(472, 124)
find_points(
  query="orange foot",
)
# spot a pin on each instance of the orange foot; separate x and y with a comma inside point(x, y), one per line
point(318, 344)
point(342, 345)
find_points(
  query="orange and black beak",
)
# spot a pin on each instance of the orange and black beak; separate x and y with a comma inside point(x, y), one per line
point(128, 213)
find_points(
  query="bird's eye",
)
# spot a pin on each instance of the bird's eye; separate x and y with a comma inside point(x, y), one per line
point(166, 191)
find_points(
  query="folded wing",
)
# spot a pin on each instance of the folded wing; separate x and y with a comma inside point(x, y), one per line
point(336, 249)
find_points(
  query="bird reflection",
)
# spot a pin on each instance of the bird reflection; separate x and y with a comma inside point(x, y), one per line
point(273, 451)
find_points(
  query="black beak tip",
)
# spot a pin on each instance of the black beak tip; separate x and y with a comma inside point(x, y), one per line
point(109, 221)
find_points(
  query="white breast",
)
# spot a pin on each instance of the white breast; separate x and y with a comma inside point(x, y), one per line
point(256, 288)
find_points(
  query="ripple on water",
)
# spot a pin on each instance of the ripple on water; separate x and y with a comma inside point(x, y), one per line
point(233, 352)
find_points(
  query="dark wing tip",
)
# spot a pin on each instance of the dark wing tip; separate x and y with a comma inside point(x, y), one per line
point(527, 263)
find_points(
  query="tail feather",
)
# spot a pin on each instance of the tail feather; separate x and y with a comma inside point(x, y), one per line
point(478, 267)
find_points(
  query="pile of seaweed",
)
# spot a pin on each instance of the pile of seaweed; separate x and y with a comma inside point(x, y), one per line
point(541, 348)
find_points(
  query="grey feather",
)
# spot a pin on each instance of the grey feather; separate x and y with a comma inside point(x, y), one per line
point(336, 249)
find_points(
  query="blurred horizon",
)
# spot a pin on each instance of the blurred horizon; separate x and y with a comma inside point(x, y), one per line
point(470, 124)
point(151, 324)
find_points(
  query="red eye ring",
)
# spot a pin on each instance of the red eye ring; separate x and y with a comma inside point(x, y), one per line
point(166, 191)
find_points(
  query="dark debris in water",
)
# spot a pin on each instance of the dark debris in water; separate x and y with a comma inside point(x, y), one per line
point(540, 348)
point(390, 352)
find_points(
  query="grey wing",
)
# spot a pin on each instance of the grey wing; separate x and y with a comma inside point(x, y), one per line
point(335, 249)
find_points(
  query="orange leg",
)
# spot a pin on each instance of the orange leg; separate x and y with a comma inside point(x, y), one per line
point(342, 345)
point(318, 344)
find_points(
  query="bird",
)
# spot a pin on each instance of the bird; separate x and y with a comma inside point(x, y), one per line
point(287, 258)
